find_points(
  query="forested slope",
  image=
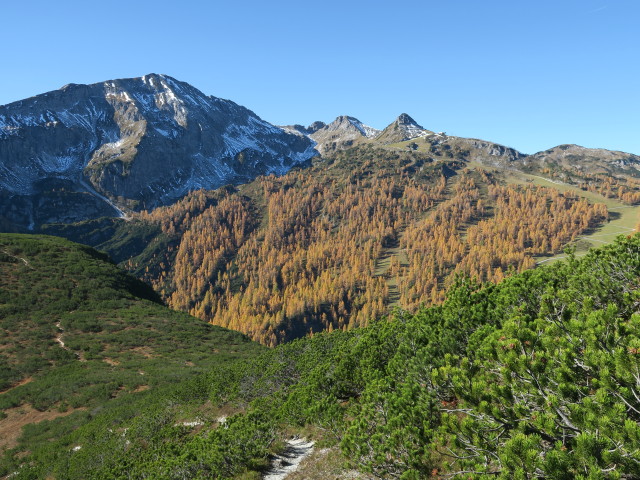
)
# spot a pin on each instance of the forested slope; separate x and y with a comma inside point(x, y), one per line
point(341, 243)
point(536, 377)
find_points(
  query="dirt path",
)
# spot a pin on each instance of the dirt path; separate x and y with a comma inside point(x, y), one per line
point(23, 260)
point(282, 465)
point(59, 336)
point(24, 381)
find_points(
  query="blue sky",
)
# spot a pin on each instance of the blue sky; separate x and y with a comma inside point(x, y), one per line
point(528, 74)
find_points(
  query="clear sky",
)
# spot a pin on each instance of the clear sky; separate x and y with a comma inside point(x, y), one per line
point(528, 74)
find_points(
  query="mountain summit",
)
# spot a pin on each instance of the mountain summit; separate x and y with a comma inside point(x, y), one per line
point(403, 128)
point(131, 144)
point(343, 132)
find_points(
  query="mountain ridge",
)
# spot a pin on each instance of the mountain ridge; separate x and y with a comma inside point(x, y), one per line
point(86, 151)
point(141, 142)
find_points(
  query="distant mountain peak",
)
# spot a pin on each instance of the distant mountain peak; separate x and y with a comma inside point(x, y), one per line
point(592, 160)
point(403, 128)
point(348, 123)
point(298, 129)
point(315, 126)
point(405, 119)
point(138, 142)
point(150, 76)
point(343, 132)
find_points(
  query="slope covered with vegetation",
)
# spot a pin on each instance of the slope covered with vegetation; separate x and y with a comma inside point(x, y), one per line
point(343, 242)
point(77, 333)
point(536, 377)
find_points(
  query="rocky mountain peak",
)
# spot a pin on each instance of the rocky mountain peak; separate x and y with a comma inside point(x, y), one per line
point(405, 119)
point(352, 125)
point(592, 160)
point(315, 126)
point(134, 143)
point(343, 132)
point(302, 130)
point(403, 128)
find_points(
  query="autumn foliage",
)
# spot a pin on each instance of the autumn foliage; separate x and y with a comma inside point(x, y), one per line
point(338, 245)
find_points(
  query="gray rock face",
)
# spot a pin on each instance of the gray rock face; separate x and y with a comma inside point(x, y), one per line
point(588, 160)
point(315, 126)
point(488, 153)
point(134, 143)
point(301, 130)
point(343, 132)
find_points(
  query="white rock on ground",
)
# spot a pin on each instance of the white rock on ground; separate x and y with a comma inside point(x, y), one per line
point(282, 465)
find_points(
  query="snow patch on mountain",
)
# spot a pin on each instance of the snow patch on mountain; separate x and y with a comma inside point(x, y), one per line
point(169, 98)
point(257, 124)
point(143, 141)
point(240, 137)
point(414, 131)
point(166, 133)
point(310, 152)
point(17, 182)
point(366, 130)
point(56, 163)
point(293, 131)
